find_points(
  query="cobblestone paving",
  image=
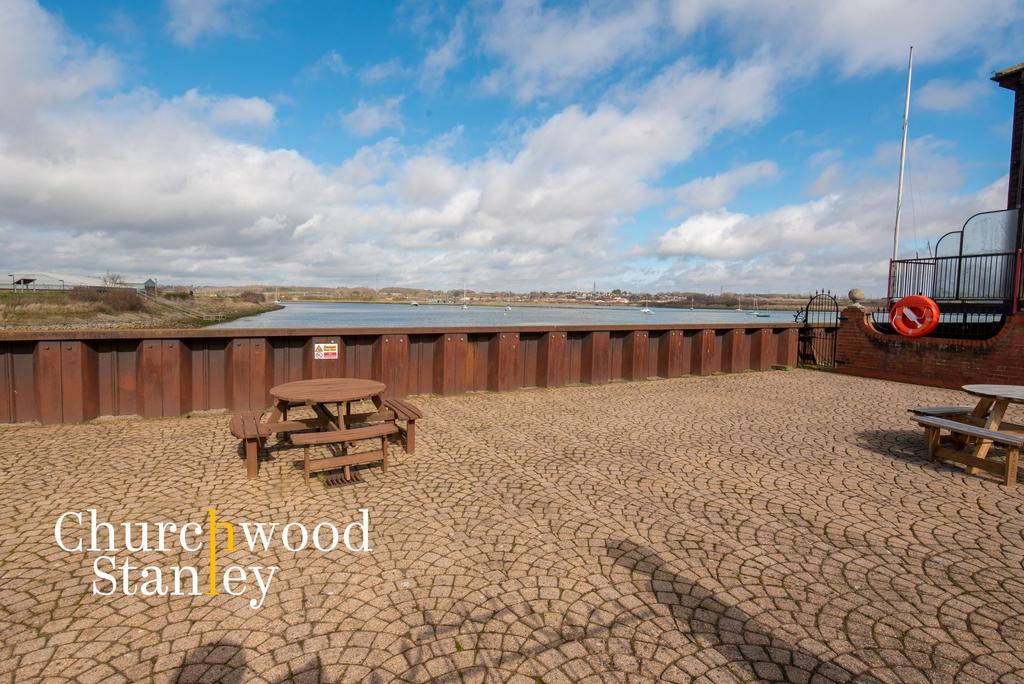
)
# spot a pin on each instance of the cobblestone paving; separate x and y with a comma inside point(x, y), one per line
point(779, 525)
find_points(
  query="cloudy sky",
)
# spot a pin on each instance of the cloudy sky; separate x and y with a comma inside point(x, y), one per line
point(651, 145)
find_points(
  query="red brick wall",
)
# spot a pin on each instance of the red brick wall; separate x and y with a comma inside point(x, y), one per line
point(862, 350)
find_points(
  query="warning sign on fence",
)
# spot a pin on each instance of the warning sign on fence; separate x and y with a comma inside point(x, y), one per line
point(325, 351)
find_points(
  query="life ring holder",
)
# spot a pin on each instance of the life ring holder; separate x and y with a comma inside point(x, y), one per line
point(914, 316)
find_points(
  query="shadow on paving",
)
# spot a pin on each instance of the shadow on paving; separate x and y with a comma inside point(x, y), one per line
point(749, 647)
point(225, 663)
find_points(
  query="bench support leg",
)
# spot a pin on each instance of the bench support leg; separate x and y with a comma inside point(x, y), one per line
point(410, 437)
point(305, 464)
point(1012, 457)
point(384, 451)
point(931, 437)
point(252, 450)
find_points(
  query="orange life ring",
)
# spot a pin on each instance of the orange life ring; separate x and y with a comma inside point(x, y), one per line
point(914, 316)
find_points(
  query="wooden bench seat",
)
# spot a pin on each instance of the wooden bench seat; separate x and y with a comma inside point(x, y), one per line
point(941, 410)
point(247, 427)
point(407, 412)
point(933, 425)
point(344, 438)
point(347, 435)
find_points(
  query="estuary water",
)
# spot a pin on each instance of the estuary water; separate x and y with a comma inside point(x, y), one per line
point(350, 315)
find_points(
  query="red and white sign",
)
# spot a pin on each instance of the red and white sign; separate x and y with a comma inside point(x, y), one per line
point(325, 351)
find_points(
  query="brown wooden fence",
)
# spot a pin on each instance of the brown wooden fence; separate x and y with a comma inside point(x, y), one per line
point(70, 376)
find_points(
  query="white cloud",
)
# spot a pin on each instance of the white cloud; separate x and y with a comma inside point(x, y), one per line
point(862, 36)
point(43, 66)
point(367, 119)
point(941, 95)
point(550, 50)
point(227, 110)
point(717, 191)
point(840, 240)
point(330, 62)
point(444, 57)
point(146, 185)
point(98, 176)
point(383, 71)
point(191, 19)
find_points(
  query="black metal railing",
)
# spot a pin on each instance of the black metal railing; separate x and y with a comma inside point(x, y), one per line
point(955, 326)
point(981, 283)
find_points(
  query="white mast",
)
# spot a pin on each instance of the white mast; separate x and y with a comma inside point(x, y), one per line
point(903, 158)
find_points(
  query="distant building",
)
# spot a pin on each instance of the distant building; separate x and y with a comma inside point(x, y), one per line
point(149, 286)
point(50, 281)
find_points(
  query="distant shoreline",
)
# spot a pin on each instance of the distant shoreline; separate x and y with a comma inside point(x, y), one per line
point(546, 305)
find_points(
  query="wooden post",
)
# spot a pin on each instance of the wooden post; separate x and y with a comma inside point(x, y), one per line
point(788, 342)
point(735, 351)
point(176, 378)
point(670, 354)
point(238, 369)
point(79, 378)
point(150, 379)
point(7, 413)
point(502, 362)
point(552, 361)
point(391, 363)
point(46, 364)
point(703, 352)
point(762, 353)
point(326, 368)
point(634, 355)
point(451, 351)
point(595, 364)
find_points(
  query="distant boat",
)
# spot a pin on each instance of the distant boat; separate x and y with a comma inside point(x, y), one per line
point(508, 307)
point(646, 309)
point(691, 303)
point(739, 307)
point(414, 303)
point(759, 314)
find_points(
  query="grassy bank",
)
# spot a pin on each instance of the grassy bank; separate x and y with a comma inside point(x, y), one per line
point(122, 308)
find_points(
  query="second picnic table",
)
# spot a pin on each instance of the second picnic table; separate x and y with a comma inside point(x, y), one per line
point(974, 431)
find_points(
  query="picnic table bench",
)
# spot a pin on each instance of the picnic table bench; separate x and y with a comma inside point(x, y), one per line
point(973, 431)
point(344, 437)
point(246, 426)
point(339, 430)
point(1013, 443)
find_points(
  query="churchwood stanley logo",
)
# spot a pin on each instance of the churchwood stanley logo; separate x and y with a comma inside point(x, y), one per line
point(82, 531)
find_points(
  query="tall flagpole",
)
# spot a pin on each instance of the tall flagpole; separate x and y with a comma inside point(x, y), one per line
point(903, 158)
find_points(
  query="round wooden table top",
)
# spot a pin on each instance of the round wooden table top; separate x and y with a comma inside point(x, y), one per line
point(327, 390)
point(1012, 393)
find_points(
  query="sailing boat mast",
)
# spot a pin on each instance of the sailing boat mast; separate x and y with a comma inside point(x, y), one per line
point(903, 158)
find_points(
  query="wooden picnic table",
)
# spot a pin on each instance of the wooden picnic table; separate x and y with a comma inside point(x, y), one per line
point(973, 432)
point(319, 393)
point(992, 404)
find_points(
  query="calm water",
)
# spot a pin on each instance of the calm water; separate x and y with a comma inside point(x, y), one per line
point(331, 315)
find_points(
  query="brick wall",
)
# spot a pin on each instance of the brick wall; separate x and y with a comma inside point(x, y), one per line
point(862, 350)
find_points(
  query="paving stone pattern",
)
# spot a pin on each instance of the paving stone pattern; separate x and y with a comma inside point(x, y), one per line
point(772, 526)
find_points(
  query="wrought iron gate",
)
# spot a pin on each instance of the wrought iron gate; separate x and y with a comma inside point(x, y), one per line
point(817, 341)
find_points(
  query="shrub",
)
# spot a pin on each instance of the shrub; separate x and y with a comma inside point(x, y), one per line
point(176, 294)
point(110, 300)
point(252, 297)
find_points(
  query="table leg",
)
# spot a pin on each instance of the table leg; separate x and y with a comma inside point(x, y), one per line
point(995, 417)
point(276, 414)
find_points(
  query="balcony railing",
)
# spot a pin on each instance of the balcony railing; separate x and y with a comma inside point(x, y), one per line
point(969, 283)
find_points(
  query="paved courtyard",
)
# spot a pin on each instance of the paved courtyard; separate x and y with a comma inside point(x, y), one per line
point(777, 525)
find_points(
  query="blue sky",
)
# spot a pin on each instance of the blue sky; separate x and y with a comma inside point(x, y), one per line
point(659, 145)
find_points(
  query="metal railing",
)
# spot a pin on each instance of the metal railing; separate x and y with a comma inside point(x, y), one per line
point(955, 326)
point(982, 282)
